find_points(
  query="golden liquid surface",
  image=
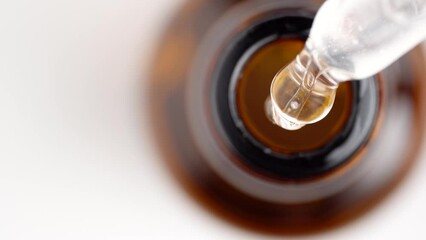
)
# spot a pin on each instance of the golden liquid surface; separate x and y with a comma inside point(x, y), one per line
point(253, 89)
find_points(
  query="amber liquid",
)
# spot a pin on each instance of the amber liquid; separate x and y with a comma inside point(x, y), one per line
point(404, 87)
point(253, 88)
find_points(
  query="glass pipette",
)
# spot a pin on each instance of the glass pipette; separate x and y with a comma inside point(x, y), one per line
point(349, 40)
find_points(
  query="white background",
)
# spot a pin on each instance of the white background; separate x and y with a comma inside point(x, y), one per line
point(76, 161)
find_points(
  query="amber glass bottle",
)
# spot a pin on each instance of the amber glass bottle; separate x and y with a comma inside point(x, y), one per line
point(210, 80)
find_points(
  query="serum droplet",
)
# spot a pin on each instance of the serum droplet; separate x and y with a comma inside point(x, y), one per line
point(300, 94)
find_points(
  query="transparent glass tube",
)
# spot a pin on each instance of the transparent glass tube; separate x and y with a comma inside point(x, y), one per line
point(349, 40)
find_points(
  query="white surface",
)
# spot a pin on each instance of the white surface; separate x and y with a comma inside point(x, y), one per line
point(75, 158)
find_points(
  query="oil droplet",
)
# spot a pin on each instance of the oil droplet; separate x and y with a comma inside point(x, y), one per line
point(300, 94)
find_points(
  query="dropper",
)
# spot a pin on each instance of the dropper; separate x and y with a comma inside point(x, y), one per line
point(349, 40)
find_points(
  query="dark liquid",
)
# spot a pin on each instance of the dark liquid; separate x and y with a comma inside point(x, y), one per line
point(253, 89)
point(404, 87)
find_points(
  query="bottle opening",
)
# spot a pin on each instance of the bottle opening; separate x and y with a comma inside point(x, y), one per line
point(241, 83)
